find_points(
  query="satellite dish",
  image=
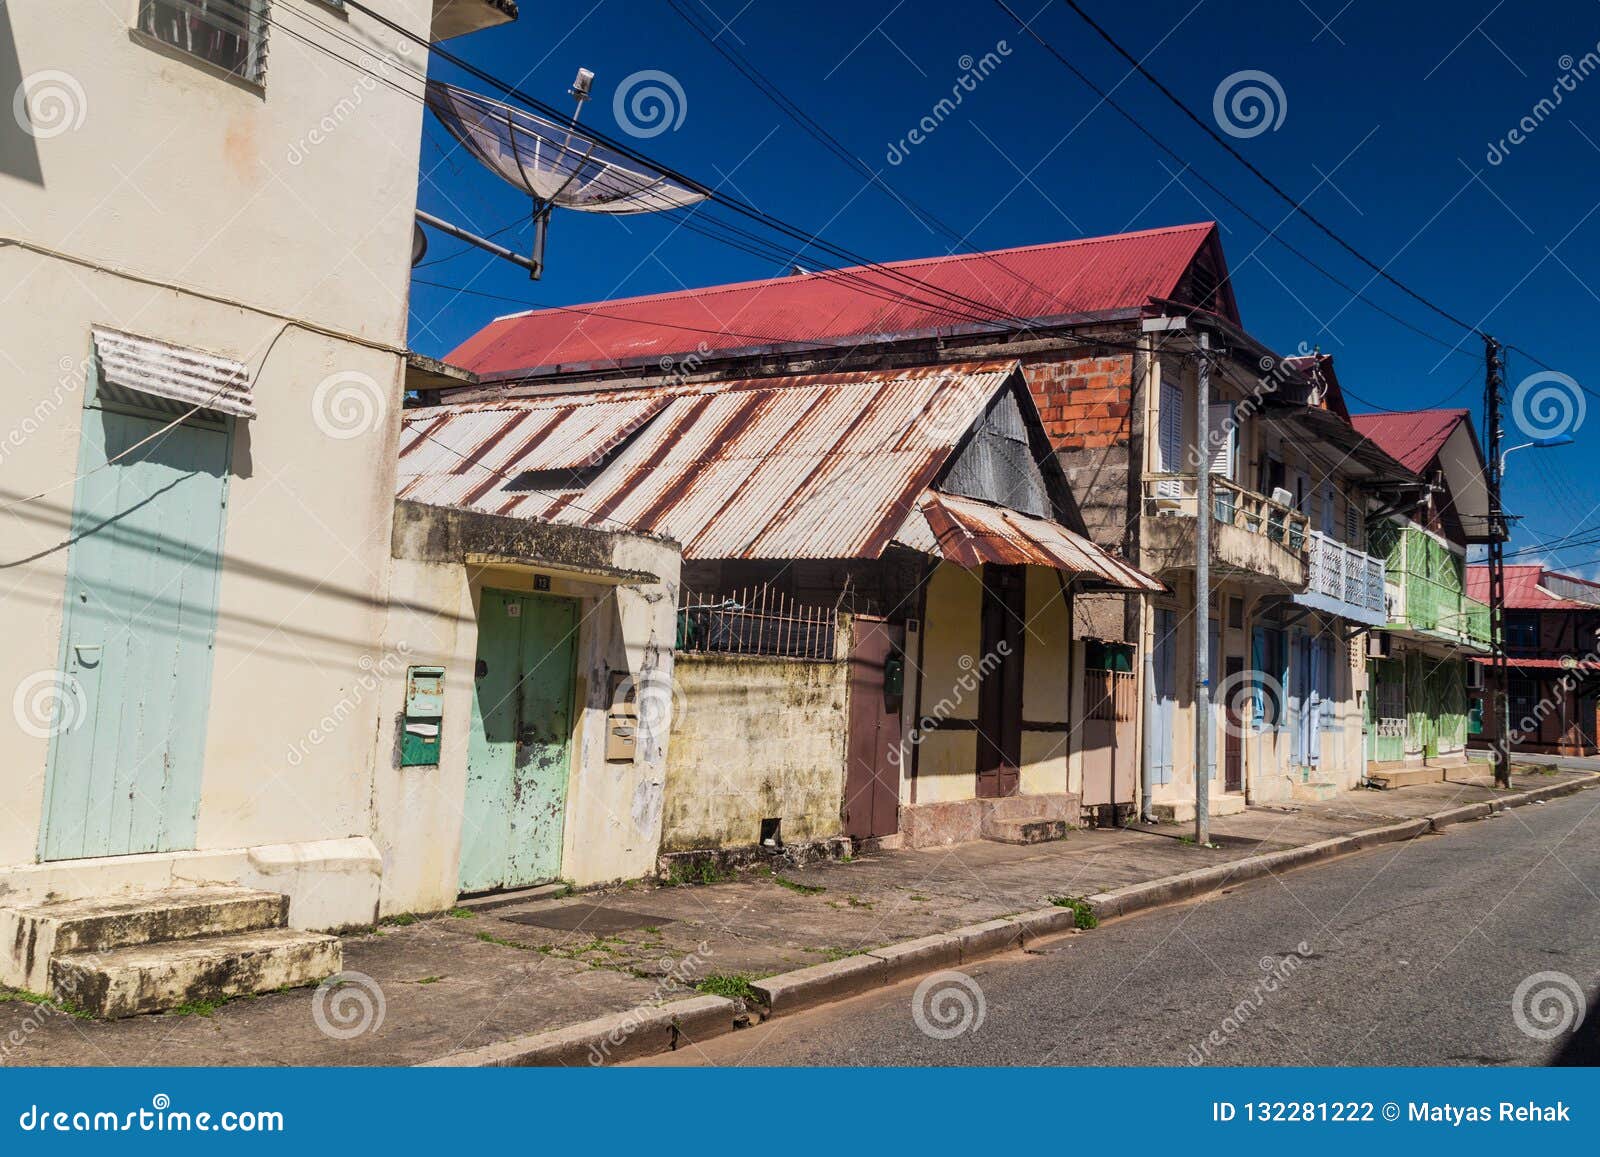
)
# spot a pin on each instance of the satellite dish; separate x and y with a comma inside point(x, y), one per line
point(556, 164)
point(419, 244)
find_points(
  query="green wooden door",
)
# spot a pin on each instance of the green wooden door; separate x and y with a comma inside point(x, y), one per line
point(519, 748)
point(139, 627)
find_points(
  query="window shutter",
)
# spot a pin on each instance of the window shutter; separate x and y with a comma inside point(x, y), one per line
point(1328, 519)
point(1222, 438)
point(1352, 524)
point(1170, 436)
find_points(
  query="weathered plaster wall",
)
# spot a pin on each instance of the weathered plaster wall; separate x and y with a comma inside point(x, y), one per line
point(754, 739)
point(947, 758)
point(1046, 684)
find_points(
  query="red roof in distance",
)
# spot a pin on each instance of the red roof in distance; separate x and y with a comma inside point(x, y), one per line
point(1058, 280)
point(1411, 437)
point(1523, 592)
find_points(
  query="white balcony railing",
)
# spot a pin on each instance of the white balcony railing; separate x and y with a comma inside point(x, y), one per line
point(1344, 580)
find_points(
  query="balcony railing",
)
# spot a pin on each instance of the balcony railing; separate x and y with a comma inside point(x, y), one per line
point(1437, 609)
point(1231, 505)
point(1344, 581)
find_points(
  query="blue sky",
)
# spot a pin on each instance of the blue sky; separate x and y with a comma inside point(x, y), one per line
point(1389, 115)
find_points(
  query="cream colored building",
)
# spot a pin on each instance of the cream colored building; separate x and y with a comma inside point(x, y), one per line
point(205, 241)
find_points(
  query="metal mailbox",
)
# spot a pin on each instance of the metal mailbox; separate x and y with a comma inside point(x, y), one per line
point(424, 714)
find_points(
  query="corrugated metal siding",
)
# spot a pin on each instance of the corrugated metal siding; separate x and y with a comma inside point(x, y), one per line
point(189, 377)
point(1040, 281)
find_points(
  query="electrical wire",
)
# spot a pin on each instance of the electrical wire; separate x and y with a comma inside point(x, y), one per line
point(1293, 203)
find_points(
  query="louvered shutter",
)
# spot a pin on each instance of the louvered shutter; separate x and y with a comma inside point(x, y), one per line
point(1170, 437)
point(1222, 438)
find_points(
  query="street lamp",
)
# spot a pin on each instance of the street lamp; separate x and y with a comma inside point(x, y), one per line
point(1537, 444)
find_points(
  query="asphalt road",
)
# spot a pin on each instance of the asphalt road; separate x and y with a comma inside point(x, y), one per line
point(1404, 955)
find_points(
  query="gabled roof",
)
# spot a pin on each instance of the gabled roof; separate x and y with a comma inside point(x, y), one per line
point(823, 466)
point(1413, 437)
point(1059, 282)
point(1318, 369)
point(1526, 588)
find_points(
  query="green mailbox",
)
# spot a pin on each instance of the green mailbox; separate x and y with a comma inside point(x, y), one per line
point(419, 732)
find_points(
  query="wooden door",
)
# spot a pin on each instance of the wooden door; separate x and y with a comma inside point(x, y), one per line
point(134, 688)
point(1233, 727)
point(519, 747)
point(1000, 688)
point(872, 778)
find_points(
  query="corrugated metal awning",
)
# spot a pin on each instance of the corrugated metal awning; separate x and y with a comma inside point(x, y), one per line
point(970, 533)
point(189, 377)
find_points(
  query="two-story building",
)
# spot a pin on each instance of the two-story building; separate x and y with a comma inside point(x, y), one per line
point(1552, 629)
point(1292, 582)
point(206, 243)
point(1419, 661)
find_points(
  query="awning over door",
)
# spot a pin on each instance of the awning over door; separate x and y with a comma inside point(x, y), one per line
point(968, 533)
point(189, 377)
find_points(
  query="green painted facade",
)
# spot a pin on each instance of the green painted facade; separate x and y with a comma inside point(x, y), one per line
point(1432, 579)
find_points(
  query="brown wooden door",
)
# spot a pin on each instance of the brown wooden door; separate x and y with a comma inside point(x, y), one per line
point(1000, 687)
point(872, 779)
point(1233, 727)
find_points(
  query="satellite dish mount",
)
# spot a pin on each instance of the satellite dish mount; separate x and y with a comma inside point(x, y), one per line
point(557, 165)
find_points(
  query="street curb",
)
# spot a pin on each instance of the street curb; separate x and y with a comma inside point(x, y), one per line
point(1139, 897)
point(644, 1032)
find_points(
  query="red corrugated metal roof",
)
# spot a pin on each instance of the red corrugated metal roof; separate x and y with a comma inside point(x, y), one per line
point(1571, 663)
point(1063, 279)
point(1411, 437)
point(970, 533)
point(807, 466)
point(1523, 592)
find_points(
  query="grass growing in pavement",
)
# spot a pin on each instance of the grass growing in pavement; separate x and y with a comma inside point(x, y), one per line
point(797, 886)
point(704, 872)
point(204, 1007)
point(733, 985)
point(1082, 911)
point(23, 996)
point(463, 913)
point(399, 921)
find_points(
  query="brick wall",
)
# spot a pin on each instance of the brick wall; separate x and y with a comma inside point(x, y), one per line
point(1086, 402)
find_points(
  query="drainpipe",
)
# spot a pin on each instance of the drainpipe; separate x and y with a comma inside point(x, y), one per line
point(1146, 769)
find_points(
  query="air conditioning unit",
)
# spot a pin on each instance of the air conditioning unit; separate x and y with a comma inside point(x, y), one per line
point(1378, 643)
point(1282, 497)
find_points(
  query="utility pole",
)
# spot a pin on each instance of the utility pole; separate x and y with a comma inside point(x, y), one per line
point(1493, 385)
point(1202, 598)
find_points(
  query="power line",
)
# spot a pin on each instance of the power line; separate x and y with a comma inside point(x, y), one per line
point(1293, 203)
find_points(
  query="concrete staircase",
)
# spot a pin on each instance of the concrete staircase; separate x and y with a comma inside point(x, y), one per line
point(1029, 819)
point(157, 950)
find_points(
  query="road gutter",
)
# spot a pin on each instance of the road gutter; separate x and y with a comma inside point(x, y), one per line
point(649, 1031)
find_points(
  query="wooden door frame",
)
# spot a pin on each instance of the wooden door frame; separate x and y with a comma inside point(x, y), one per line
point(1002, 619)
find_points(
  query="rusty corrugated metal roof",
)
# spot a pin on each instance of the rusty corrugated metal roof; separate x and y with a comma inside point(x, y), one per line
point(969, 533)
point(809, 466)
point(1059, 280)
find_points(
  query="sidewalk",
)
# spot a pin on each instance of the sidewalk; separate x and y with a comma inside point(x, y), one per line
point(460, 981)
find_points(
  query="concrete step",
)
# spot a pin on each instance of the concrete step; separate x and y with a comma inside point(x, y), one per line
point(1024, 831)
point(151, 977)
point(31, 935)
point(1405, 777)
point(1316, 789)
point(1182, 811)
